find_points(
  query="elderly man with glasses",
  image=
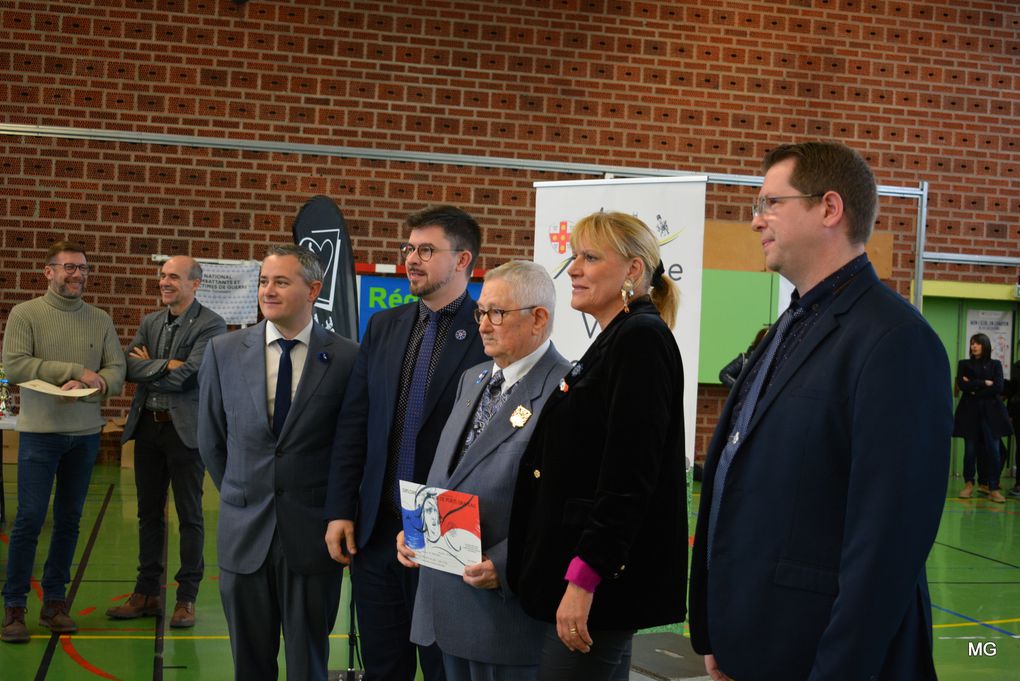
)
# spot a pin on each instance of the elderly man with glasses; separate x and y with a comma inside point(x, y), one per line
point(397, 402)
point(475, 619)
point(62, 340)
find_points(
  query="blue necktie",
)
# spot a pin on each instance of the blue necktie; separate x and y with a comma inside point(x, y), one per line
point(492, 399)
point(743, 419)
point(284, 377)
point(415, 404)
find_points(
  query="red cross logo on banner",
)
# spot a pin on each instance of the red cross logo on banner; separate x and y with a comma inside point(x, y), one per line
point(559, 236)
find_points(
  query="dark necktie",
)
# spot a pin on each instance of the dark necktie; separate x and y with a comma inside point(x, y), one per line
point(415, 404)
point(284, 377)
point(743, 419)
point(492, 400)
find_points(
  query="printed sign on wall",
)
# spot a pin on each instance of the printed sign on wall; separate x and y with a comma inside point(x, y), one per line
point(674, 209)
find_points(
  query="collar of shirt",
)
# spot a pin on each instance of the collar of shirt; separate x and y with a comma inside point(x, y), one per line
point(822, 294)
point(514, 372)
point(446, 311)
point(273, 334)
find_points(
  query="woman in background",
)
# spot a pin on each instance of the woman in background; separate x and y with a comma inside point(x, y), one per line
point(981, 418)
point(598, 533)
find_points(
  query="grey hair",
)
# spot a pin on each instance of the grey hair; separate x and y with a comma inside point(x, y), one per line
point(311, 266)
point(530, 283)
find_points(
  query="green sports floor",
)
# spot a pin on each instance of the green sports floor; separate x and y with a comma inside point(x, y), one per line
point(974, 571)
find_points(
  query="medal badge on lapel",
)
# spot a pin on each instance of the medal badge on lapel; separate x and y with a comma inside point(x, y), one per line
point(520, 416)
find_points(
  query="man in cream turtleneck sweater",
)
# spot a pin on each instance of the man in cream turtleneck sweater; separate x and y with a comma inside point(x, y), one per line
point(60, 339)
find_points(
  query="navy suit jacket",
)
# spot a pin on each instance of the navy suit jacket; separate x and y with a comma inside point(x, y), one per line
point(832, 503)
point(270, 484)
point(198, 325)
point(361, 446)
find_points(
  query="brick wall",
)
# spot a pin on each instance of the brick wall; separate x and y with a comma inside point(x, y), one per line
point(928, 91)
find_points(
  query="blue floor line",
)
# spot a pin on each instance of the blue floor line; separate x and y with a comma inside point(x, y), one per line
point(971, 619)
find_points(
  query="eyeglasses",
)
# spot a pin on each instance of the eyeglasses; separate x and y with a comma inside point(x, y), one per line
point(496, 315)
point(765, 204)
point(425, 251)
point(70, 267)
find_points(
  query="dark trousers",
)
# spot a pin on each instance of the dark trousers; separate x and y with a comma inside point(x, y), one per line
point(984, 453)
point(272, 598)
point(608, 659)
point(162, 460)
point(384, 597)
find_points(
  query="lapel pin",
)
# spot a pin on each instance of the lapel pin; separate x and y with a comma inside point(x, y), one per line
point(460, 334)
point(481, 376)
point(564, 387)
point(520, 416)
point(324, 357)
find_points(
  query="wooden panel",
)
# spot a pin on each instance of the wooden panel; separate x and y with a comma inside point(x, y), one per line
point(735, 246)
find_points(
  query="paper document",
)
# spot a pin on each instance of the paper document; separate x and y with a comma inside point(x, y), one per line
point(441, 527)
point(50, 389)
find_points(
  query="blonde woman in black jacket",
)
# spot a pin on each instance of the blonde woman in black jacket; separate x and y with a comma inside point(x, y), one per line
point(598, 535)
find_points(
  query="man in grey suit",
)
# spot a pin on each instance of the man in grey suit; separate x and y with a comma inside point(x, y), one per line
point(269, 399)
point(477, 622)
point(163, 359)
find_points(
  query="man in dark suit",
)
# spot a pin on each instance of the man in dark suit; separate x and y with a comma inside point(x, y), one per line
point(826, 478)
point(400, 396)
point(475, 619)
point(269, 399)
point(163, 359)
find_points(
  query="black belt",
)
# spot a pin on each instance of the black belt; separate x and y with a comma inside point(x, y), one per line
point(159, 416)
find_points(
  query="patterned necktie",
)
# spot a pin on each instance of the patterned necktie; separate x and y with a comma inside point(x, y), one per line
point(415, 405)
point(284, 377)
point(492, 400)
point(744, 418)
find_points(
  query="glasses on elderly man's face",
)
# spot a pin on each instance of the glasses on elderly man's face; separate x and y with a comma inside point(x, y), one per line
point(425, 251)
point(764, 205)
point(496, 315)
point(70, 267)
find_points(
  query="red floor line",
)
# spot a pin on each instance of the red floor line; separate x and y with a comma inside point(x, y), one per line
point(68, 646)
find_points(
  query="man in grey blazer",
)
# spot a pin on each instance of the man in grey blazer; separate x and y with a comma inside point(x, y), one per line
point(477, 622)
point(269, 398)
point(163, 359)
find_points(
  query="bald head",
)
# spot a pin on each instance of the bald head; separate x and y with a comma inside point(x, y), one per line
point(179, 279)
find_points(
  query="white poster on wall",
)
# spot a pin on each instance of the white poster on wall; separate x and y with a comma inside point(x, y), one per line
point(231, 290)
point(998, 326)
point(674, 209)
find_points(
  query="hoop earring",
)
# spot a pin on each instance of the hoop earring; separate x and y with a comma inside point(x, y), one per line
point(626, 293)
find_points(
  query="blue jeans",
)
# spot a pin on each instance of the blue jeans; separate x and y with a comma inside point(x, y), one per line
point(43, 457)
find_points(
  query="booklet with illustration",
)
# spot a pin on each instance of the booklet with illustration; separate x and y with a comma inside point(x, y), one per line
point(441, 527)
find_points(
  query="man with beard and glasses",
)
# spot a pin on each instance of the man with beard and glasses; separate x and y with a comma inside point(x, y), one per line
point(399, 397)
point(60, 339)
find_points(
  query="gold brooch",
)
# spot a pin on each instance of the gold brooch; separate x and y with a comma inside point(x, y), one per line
point(519, 417)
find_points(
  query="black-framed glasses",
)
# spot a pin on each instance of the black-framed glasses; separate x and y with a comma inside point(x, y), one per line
point(496, 315)
point(425, 251)
point(765, 204)
point(70, 267)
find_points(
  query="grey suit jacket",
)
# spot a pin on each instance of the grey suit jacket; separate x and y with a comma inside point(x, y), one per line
point(198, 326)
point(485, 625)
point(268, 484)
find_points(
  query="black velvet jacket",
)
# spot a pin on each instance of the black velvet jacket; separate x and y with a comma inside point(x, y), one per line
point(603, 478)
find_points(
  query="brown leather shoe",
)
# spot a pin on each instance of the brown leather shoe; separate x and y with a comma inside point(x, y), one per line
point(54, 617)
point(14, 630)
point(996, 496)
point(139, 605)
point(968, 491)
point(184, 615)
